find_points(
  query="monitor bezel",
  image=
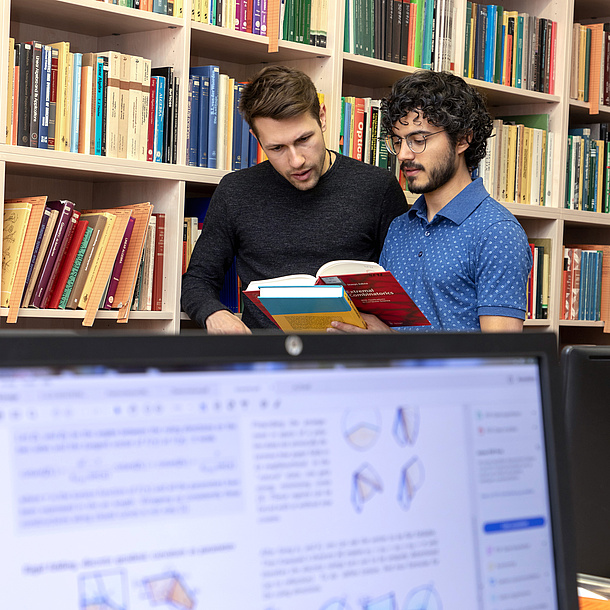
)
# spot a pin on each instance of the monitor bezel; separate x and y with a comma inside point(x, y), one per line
point(201, 350)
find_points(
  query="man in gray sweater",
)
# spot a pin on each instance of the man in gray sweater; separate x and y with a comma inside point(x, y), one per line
point(305, 206)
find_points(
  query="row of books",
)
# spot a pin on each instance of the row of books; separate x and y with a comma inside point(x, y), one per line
point(361, 135)
point(107, 104)
point(510, 48)
point(588, 179)
point(217, 135)
point(304, 21)
point(173, 8)
point(590, 63)
point(539, 280)
point(518, 164)
point(417, 33)
point(585, 288)
point(58, 257)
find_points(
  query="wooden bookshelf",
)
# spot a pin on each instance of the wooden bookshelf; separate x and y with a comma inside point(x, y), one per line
point(92, 25)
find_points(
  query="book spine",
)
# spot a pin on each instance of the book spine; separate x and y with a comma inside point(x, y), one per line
point(43, 224)
point(159, 120)
point(152, 114)
point(45, 92)
point(193, 151)
point(158, 270)
point(76, 86)
point(75, 268)
point(25, 83)
point(35, 93)
point(115, 276)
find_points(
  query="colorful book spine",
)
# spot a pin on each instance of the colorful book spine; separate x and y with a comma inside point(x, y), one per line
point(45, 93)
point(159, 119)
point(75, 268)
point(115, 276)
point(76, 85)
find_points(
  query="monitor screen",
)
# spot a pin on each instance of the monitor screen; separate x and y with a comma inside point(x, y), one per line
point(586, 375)
point(269, 481)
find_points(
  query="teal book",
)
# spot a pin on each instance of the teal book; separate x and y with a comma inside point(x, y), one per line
point(75, 267)
point(519, 59)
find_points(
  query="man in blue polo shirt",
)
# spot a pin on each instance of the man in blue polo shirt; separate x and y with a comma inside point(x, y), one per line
point(461, 256)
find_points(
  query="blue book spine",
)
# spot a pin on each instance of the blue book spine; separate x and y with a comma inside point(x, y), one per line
point(245, 140)
point(582, 298)
point(194, 130)
point(159, 120)
point(237, 121)
point(45, 98)
point(99, 104)
point(252, 150)
point(211, 112)
point(204, 121)
point(347, 117)
point(256, 16)
point(490, 42)
point(76, 79)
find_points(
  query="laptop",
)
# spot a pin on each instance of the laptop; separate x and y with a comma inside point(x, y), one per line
point(277, 472)
point(586, 381)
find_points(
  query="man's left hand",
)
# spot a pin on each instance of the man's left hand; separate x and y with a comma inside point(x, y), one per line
point(373, 325)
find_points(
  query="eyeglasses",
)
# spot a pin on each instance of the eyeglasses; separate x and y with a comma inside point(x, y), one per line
point(416, 142)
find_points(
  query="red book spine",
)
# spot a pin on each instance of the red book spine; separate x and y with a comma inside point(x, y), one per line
point(150, 148)
point(48, 291)
point(158, 269)
point(66, 268)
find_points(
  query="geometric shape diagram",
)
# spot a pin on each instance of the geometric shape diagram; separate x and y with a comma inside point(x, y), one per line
point(386, 602)
point(406, 425)
point(103, 590)
point(361, 427)
point(423, 598)
point(411, 479)
point(169, 589)
point(335, 604)
point(366, 483)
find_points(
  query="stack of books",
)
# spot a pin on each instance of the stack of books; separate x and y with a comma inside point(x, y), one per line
point(538, 287)
point(217, 135)
point(510, 48)
point(588, 183)
point(107, 104)
point(519, 160)
point(59, 257)
point(419, 33)
point(585, 289)
point(590, 64)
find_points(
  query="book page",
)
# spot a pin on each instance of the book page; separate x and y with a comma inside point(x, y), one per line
point(348, 266)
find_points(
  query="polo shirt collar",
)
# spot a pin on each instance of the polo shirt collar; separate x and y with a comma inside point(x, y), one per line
point(459, 208)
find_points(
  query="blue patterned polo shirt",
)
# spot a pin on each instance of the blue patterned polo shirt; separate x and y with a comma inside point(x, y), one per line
point(472, 260)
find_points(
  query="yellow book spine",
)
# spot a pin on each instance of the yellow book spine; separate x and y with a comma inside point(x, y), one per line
point(15, 223)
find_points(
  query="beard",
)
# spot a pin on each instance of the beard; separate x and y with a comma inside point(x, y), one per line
point(438, 175)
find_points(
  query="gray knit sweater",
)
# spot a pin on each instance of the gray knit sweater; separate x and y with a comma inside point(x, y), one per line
point(276, 229)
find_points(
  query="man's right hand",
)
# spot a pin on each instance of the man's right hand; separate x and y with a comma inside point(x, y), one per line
point(223, 322)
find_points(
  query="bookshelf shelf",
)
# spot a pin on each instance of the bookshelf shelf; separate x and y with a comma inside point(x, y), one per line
point(88, 17)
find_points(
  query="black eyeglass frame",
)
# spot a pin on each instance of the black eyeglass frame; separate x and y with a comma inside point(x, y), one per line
point(408, 140)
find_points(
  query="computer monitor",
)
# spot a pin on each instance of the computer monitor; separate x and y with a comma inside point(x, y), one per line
point(277, 472)
point(586, 381)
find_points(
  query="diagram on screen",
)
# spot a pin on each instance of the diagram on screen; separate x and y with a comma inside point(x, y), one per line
point(423, 598)
point(406, 426)
point(335, 604)
point(169, 589)
point(366, 484)
point(385, 602)
point(103, 591)
point(411, 481)
point(361, 427)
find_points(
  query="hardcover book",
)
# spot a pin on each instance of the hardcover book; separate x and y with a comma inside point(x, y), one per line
point(372, 289)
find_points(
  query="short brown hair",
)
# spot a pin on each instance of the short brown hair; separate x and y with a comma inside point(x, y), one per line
point(279, 92)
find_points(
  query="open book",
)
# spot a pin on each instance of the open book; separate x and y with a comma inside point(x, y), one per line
point(371, 288)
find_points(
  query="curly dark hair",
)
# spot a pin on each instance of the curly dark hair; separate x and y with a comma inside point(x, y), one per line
point(446, 101)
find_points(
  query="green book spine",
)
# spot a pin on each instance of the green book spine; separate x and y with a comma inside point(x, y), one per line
point(519, 66)
point(419, 26)
point(346, 28)
point(75, 267)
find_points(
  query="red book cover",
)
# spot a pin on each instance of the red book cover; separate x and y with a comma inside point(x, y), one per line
point(358, 128)
point(158, 271)
point(66, 268)
point(380, 294)
point(150, 146)
point(115, 276)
